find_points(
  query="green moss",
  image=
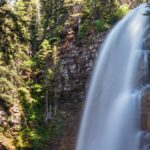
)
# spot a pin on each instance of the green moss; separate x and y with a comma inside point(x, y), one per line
point(83, 30)
point(101, 25)
point(57, 30)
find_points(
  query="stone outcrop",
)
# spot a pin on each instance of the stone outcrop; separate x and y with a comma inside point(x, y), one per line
point(146, 110)
point(145, 95)
point(145, 120)
point(76, 61)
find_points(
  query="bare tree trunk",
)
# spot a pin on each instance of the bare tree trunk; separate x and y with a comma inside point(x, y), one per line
point(46, 107)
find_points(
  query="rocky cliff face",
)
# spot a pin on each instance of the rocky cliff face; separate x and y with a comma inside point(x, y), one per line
point(76, 61)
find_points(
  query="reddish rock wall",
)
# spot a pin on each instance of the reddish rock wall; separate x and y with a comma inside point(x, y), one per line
point(76, 60)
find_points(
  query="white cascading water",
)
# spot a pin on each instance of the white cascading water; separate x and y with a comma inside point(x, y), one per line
point(111, 116)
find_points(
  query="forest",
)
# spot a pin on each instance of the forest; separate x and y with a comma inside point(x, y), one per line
point(34, 36)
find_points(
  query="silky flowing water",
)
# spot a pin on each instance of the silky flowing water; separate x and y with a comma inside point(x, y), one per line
point(111, 119)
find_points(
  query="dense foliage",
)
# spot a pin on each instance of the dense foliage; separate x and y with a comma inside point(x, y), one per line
point(29, 34)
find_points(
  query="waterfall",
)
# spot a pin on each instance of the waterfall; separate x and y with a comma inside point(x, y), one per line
point(111, 119)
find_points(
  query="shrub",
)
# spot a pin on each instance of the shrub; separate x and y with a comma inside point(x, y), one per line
point(83, 30)
point(57, 30)
point(100, 25)
point(118, 14)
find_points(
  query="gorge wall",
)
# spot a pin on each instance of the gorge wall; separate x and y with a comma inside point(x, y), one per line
point(76, 63)
point(76, 59)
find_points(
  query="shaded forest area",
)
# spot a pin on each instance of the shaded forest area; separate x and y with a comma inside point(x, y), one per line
point(31, 34)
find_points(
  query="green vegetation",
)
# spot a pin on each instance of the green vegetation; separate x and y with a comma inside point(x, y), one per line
point(27, 60)
point(29, 36)
point(83, 30)
point(101, 25)
point(118, 14)
point(100, 18)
